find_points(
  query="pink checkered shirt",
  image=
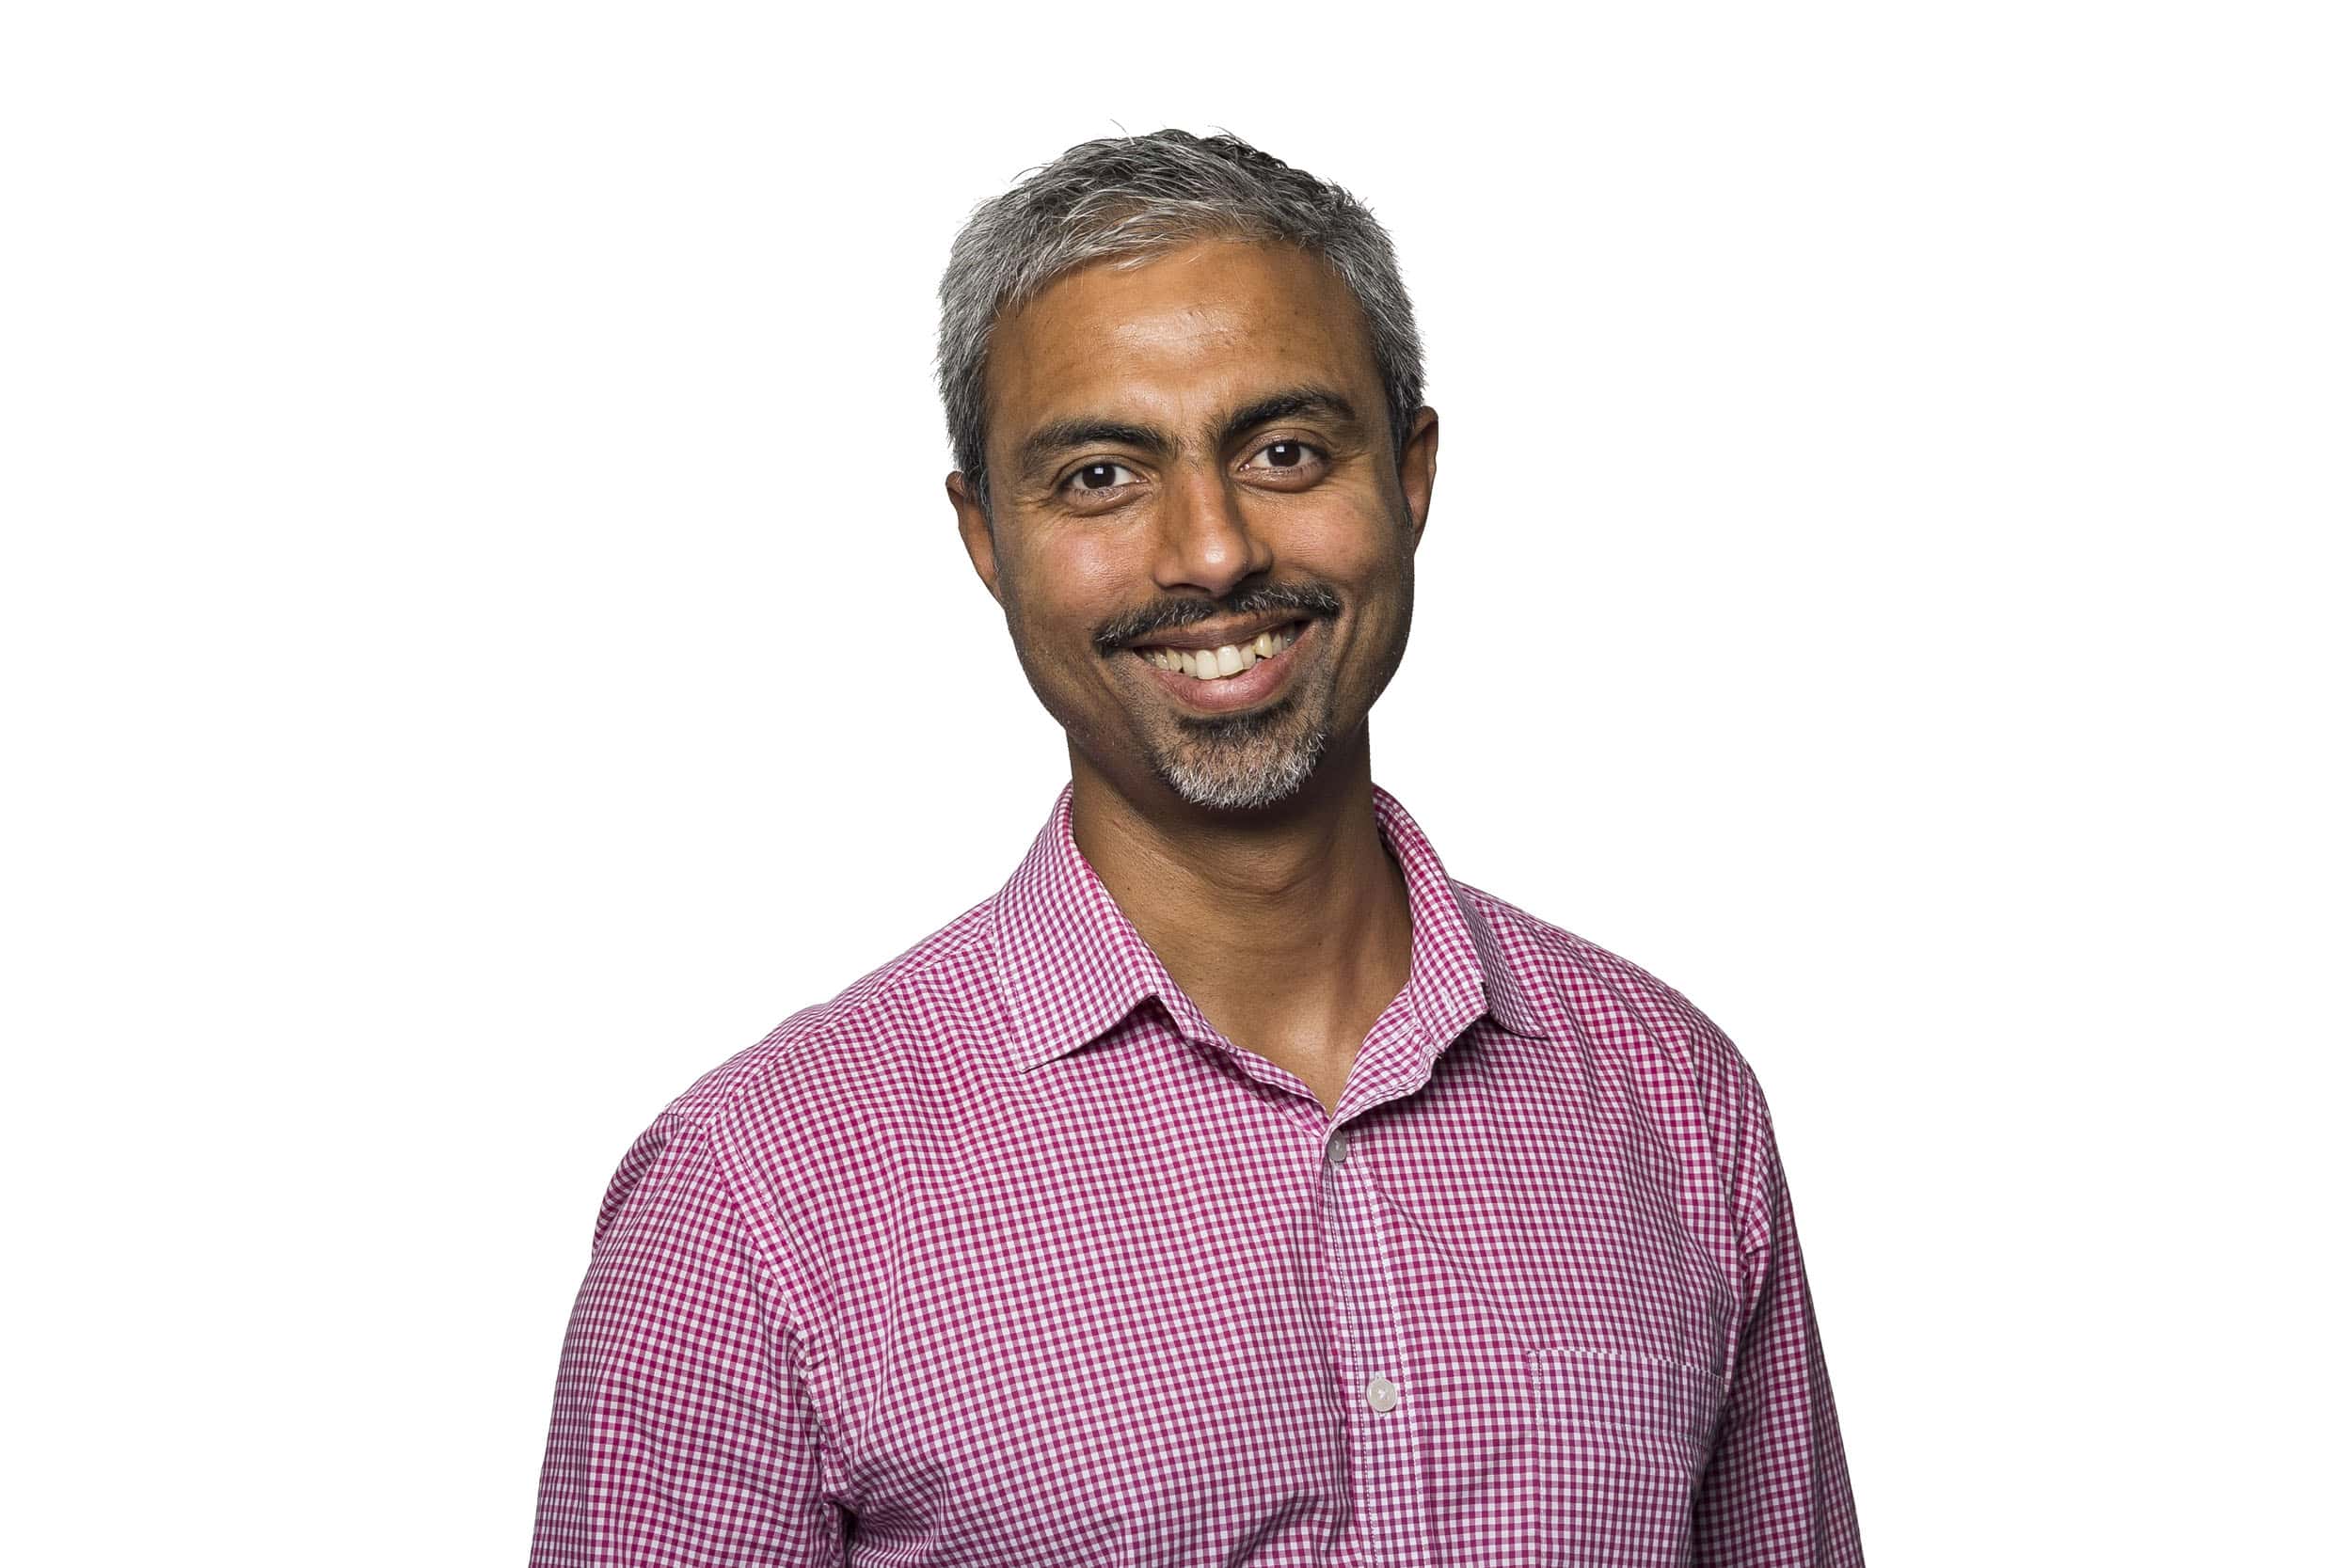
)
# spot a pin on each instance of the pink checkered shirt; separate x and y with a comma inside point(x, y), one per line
point(1004, 1255)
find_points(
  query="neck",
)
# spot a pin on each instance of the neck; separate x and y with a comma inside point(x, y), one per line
point(1288, 926)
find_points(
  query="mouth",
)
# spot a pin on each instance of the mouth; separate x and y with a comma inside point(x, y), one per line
point(1232, 676)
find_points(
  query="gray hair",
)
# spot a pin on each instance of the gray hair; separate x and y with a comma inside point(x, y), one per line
point(1133, 198)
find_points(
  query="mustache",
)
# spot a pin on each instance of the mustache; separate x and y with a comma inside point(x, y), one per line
point(1310, 599)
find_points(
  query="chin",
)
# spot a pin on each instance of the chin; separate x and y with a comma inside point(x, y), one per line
point(1242, 784)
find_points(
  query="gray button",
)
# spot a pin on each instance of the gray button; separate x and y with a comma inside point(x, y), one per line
point(1380, 1393)
point(1335, 1147)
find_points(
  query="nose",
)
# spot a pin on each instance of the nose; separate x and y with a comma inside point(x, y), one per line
point(1205, 539)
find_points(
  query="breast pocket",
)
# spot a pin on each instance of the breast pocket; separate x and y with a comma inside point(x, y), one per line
point(1626, 1439)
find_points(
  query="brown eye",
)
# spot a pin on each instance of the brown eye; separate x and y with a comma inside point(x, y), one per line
point(1102, 476)
point(1284, 457)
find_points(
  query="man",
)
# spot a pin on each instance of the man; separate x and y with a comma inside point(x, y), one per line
point(1233, 1186)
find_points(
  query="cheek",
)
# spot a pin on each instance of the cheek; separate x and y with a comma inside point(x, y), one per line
point(1354, 520)
point(1363, 554)
point(1076, 583)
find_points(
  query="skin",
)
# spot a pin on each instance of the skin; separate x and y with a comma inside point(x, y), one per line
point(1283, 919)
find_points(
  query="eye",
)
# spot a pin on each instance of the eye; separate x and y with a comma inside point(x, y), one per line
point(1286, 458)
point(1099, 477)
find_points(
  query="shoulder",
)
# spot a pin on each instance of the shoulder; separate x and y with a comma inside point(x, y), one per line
point(1587, 998)
point(811, 1108)
point(875, 1025)
point(1574, 983)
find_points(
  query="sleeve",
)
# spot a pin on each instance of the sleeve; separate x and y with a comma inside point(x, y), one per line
point(1775, 1494)
point(683, 1434)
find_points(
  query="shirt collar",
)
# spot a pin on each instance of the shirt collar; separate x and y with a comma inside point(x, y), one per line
point(1071, 964)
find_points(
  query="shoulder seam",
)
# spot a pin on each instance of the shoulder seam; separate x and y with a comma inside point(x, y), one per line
point(819, 1018)
point(1597, 961)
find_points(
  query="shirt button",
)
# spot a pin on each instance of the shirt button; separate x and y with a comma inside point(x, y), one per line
point(1335, 1147)
point(1380, 1393)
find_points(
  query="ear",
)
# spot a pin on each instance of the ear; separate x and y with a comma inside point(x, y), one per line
point(1417, 468)
point(980, 537)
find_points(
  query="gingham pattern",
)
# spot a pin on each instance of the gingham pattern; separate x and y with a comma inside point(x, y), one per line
point(1004, 1255)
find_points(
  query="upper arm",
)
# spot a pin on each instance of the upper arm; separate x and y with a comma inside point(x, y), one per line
point(1775, 1491)
point(683, 1432)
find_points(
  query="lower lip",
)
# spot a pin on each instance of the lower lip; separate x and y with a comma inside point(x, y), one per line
point(1260, 681)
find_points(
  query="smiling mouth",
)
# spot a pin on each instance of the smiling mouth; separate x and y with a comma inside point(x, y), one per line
point(1215, 664)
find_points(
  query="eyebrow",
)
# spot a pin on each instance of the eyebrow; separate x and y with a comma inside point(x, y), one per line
point(1313, 402)
point(1046, 441)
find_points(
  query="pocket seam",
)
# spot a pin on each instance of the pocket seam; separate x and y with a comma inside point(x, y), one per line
point(1678, 1384)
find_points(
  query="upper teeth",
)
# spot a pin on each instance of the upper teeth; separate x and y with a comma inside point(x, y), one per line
point(1210, 664)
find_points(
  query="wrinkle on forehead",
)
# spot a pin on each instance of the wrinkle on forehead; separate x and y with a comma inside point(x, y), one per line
point(1198, 326)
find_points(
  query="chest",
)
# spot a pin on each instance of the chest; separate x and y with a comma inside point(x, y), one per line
point(1118, 1321)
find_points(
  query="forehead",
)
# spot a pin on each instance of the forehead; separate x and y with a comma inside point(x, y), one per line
point(1201, 329)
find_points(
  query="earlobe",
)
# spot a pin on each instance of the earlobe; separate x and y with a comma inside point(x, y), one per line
point(978, 534)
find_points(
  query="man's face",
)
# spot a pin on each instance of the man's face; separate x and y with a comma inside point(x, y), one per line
point(1194, 450)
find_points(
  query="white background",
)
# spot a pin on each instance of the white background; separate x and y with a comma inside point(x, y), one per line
point(484, 641)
